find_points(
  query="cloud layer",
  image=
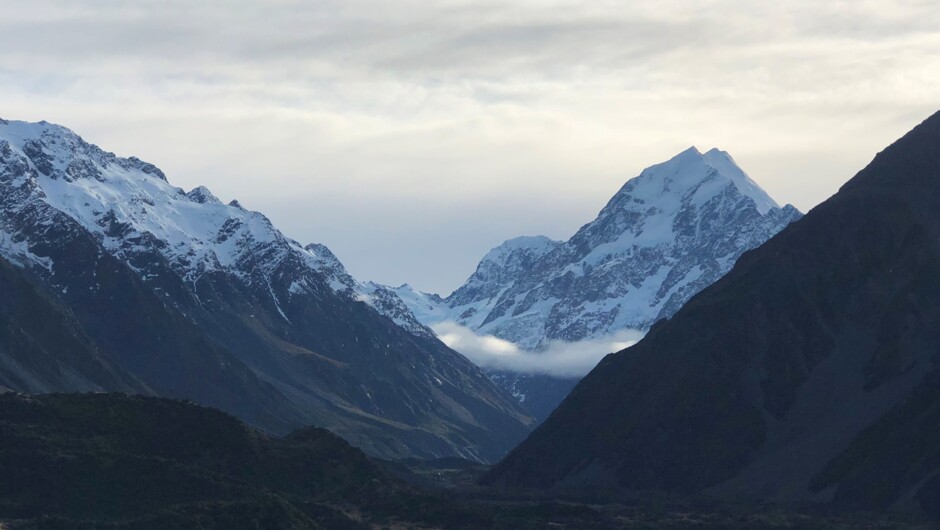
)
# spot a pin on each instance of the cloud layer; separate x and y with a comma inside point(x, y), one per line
point(426, 132)
point(559, 358)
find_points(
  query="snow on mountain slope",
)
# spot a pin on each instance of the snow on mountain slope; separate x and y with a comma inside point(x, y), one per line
point(427, 308)
point(132, 208)
point(383, 299)
point(499, 269)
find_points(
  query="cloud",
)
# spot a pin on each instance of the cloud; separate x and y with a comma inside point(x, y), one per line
point(559, 358)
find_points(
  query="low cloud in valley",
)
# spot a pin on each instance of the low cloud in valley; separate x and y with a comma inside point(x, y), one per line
point(559, 358)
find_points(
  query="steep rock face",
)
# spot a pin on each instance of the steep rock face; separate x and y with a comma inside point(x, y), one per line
point(499, 269)
point(182, 290)
point(807, 373)
point(667, 234)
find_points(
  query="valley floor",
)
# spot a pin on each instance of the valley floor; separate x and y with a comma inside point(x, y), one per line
point(117, 461)
point(455, 480)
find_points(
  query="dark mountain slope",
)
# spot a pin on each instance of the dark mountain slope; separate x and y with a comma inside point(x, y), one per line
point(358, 373)
point(781, 380)
point(42, 346)
point(138, 331)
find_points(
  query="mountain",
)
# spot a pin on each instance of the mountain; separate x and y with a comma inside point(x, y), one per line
point(663, 237)
point(808, 373)
point(201, 300)
point(667, 233)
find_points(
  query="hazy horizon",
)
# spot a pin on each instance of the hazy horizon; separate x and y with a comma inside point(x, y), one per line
point(411, 138)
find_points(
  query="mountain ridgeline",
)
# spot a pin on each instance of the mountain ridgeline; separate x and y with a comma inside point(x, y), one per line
point(127, 283)
point(663, 237)
point(807, 373)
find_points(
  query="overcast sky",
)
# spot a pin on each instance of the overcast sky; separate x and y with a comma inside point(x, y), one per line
point(412, 136)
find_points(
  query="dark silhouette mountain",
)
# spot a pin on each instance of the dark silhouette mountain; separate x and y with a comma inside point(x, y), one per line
point(807, 373)
point(199, 300)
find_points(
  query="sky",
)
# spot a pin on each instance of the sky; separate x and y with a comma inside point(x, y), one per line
point(412, 136)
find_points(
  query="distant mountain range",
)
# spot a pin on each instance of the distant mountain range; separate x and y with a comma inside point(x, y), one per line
point(808, 373)
point(667, 234)
point(120, 281)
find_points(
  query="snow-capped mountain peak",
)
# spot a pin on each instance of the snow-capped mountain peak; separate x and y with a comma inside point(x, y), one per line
point(59, 153)
point(202, 195)
point(328, 265)
point(666, 234)
point(533, 245)
point(689, 177)
point(726, 165)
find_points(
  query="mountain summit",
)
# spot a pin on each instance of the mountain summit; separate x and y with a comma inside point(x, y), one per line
point(809, 372)
point(665, 235)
